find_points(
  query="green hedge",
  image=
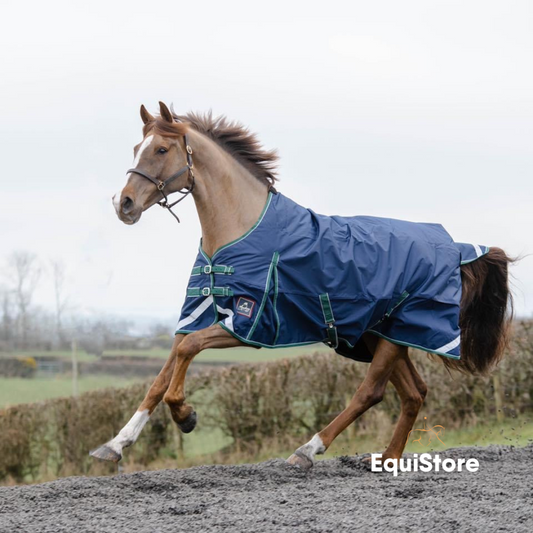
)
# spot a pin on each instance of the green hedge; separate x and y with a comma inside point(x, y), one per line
point(251, 403)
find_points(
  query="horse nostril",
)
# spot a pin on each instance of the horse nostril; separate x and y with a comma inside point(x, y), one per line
point(127, 205)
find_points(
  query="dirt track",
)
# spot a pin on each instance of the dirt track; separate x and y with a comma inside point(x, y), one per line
point(337, 495)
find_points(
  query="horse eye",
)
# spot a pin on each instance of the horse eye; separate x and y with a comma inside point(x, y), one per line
point(162, 151)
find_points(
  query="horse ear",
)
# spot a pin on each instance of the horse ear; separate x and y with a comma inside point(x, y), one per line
point(165, 112)
point(146, 117)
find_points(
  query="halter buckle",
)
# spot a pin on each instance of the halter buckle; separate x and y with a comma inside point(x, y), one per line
point(189, 150)
point(160, 185)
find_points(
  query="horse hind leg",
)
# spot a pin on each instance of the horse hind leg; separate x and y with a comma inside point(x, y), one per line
point(368, 394)
point(412, 391)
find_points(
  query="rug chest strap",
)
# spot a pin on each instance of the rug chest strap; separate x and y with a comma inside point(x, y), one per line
point(212, 269)
point(195, 292)
point(329, 319)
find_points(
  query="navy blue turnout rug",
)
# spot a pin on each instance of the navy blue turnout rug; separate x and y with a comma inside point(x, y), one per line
point(299, 278)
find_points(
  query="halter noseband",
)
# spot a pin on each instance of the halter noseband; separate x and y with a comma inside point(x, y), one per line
point(162, 184)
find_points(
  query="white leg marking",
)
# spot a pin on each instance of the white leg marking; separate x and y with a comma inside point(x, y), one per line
point(130, 432)
point(316, 446)
point(308, 451)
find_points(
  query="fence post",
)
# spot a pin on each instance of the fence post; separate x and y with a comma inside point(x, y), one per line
point(74, 368)
point(498, 397)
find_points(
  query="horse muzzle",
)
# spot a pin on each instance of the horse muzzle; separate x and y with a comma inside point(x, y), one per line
point(126, 209)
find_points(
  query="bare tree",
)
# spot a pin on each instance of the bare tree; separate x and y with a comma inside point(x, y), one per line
point(61, 300)
point(24, 272)
point(6, 328)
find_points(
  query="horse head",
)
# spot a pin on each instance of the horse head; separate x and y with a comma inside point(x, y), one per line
point(162, 165)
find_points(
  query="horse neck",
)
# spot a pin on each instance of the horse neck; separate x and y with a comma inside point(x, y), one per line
point(229, 199)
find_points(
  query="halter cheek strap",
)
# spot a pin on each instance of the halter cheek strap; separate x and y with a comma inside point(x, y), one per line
point(161, 184)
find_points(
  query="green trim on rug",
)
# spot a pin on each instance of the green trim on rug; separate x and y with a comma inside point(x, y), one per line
point(267, 204)
point(401, 343)
point(273, 264)
point(276, 290)
point(261, 345)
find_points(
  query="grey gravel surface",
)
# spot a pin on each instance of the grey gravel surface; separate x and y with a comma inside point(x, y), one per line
point(337, 495)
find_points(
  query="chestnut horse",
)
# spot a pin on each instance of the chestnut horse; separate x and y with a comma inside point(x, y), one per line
point(233, 174)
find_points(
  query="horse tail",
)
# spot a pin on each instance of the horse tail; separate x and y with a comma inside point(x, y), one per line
point(486, 313)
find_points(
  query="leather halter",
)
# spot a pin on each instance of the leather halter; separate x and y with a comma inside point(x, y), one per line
point(161, 184)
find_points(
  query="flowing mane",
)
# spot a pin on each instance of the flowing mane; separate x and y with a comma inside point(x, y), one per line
point(230, 135)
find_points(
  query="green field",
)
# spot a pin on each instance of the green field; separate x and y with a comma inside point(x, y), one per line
point(19, 390)
point(244, 354)
point(233, 355)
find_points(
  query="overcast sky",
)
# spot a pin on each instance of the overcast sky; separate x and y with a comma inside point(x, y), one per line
point(413, 110)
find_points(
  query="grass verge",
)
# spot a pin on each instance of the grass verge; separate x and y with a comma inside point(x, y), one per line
point(14, 391)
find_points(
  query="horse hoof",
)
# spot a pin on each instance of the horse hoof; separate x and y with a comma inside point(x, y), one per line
point(301, 461)
point(189, 423)
point(366, 462)
point(106, 453)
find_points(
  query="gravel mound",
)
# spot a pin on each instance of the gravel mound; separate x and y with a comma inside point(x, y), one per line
point(336, 495)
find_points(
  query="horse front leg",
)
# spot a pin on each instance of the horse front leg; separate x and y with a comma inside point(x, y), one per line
point(112, 450)
point(212, 337)
point(368, 394)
